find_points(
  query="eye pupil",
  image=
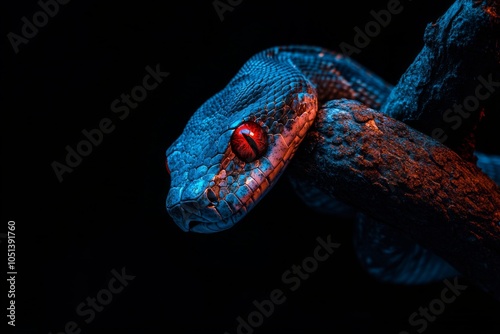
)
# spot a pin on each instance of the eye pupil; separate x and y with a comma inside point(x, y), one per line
point(253, 145)
point(249, 141)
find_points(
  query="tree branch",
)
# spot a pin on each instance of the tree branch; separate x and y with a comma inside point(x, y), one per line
point(401, 177)
point(455, 80)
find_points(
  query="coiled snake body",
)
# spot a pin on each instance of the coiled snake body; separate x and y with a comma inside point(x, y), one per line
point(237, 144)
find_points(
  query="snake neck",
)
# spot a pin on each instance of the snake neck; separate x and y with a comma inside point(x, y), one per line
point(334, 75)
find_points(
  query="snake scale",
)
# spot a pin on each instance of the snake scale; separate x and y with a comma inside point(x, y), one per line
point(236, 146)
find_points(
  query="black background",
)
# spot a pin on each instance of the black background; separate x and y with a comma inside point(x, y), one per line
point(109, 212)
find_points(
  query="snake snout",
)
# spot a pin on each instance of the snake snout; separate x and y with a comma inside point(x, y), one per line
point(197, 215)
point(184, 215)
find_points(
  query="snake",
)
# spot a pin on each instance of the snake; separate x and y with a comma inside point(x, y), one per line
point(238, 143)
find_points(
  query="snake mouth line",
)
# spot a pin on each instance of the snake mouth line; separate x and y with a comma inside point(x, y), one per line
point(190, 217)
point(199, 224)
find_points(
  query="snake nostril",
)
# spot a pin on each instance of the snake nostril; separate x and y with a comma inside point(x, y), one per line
point(212, 197)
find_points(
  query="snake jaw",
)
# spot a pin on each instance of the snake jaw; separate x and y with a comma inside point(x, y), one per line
point(191, 216)
point(192, 221)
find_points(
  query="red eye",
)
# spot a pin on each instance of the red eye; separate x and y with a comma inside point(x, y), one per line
point(249, 141)
point(166, 166)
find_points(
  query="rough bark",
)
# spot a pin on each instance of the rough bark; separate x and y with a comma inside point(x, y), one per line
point(444, 93)
point(402, 177)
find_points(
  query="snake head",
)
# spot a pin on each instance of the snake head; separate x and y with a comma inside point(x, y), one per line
point(236, 145)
